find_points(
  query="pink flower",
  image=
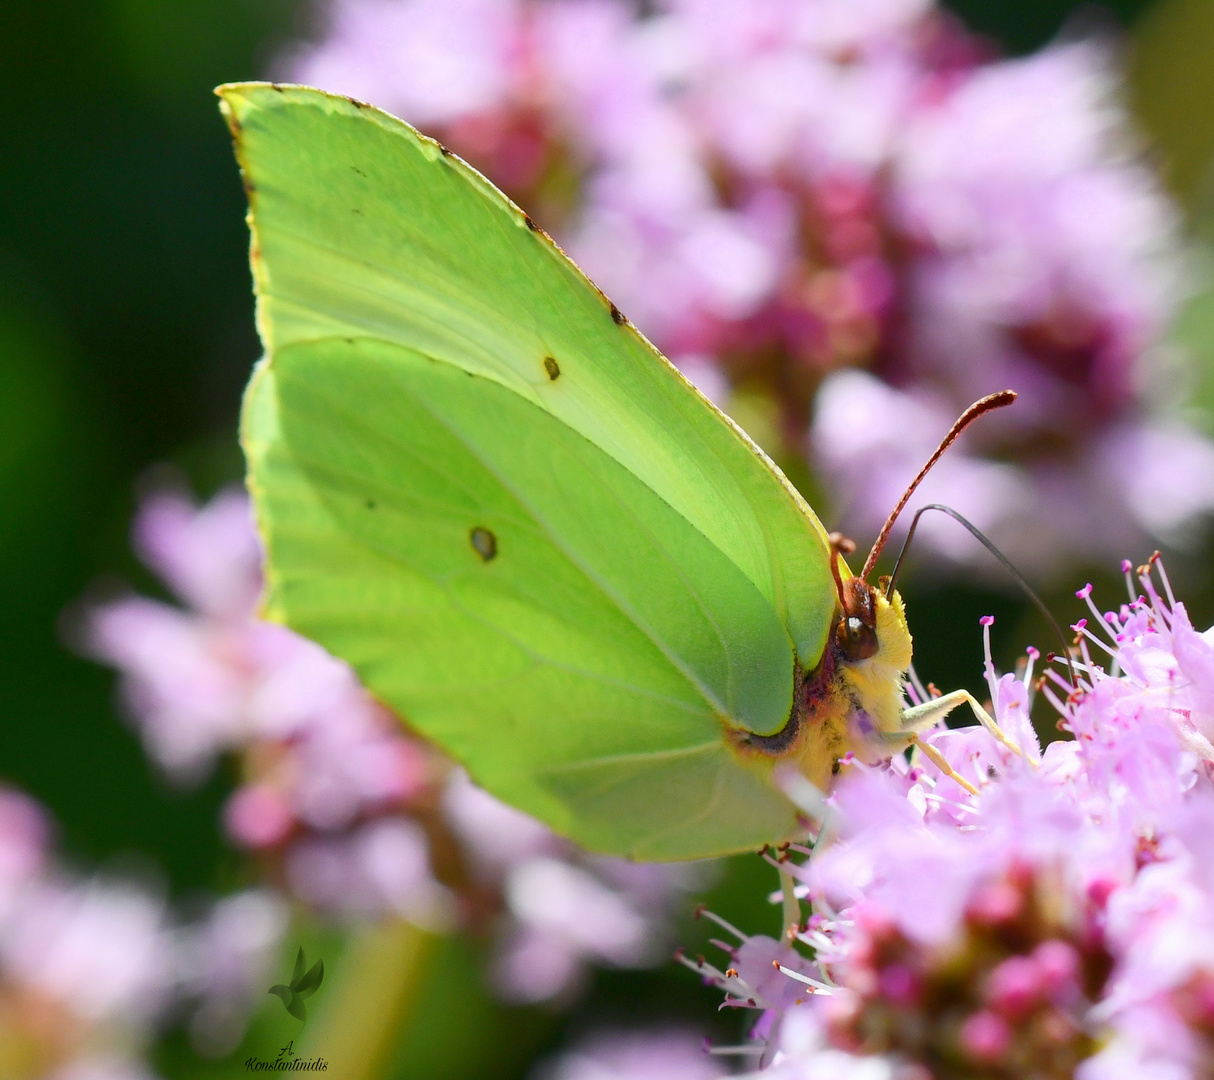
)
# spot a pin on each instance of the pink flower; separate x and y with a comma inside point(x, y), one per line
point(211, 677)
point(776, 192)
point(995, 909)
point(224, 963)
point(652, 1055)
point(563, 909)
point(985, 1037)
point(380, 867)
point(24, 834)
point(87, 967)
point(98, 948)
point(92, 969)
point(1046, 260)
point(431, 60)
point(208, 556)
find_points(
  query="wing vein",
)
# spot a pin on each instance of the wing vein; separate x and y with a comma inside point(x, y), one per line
point(545, 526)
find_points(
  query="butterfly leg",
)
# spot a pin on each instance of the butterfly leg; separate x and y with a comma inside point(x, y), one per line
point(931, 712)
point(900, 740)
point(941, 763)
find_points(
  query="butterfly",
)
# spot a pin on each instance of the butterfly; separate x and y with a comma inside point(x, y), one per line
point(529, 534)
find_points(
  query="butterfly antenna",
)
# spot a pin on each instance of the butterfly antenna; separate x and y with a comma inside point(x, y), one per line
point(840, 545)
point(1007, 565)
point(983, 405)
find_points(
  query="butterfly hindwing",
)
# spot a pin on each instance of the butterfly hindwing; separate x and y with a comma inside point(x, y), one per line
point(571, 646)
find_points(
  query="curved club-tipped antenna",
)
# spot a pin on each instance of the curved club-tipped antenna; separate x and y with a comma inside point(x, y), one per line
point(979, 407)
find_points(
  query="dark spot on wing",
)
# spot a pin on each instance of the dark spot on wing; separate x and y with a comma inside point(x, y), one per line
point(484, 543)
point(617, 316)
point(359, 171)
point(531, 224)
point(358, 104)
point(371, 504)
point(552, 367)
point(445, 151)
point(275, 86)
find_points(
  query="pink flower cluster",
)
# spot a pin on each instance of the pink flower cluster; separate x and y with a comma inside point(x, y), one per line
point(1010, 912)
point(83, 969)
point(845, 221)
point(90, 967)
point(347, 811)
point(660, 1054)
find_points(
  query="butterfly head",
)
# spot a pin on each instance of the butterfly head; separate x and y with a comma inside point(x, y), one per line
point(851, 700)
point(853, 693)
point(871, 645)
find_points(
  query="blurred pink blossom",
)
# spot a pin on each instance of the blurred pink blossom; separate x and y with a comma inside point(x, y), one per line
point(102, 1068)
point(775, 192)
point(505, 83)
point(86, 966)
point(379, 867)
point(24, 835)
point(223, 962)
point(99, 948)
point(637, 1055)
point(562, 908)
point(92, 969)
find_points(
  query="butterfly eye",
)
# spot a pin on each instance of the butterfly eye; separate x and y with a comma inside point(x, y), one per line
point(857, 639)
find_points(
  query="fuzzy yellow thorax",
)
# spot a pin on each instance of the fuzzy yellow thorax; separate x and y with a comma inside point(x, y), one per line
point(876, 684)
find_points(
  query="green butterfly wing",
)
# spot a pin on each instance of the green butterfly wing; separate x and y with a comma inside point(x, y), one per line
point(482, 487)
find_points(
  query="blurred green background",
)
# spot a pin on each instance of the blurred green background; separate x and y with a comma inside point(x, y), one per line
point(126, 335)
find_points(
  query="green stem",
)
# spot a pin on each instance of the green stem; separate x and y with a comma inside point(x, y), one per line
point(376, 986)
point(792, 907)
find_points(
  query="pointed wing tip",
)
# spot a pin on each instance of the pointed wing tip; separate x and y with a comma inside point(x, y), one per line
point(250, 87)
point(238, 98)
point(243, 95)
point(230, 89)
